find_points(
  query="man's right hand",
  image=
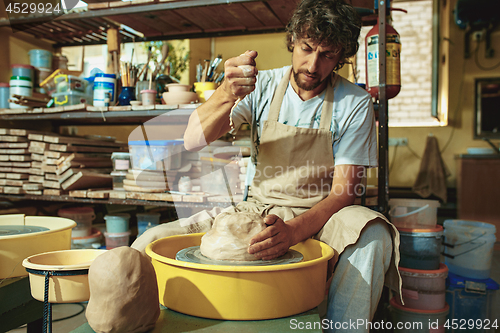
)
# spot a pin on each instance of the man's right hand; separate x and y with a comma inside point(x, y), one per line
point(240, 74)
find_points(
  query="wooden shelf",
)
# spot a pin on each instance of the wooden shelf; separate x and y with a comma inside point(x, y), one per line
point(151, 117)
point(67, 198)
point(147, 20)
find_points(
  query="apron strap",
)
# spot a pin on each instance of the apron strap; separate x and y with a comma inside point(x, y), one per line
point(274, 109)
point(327, 110)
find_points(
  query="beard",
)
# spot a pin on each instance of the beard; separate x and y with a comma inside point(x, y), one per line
point(308, 86)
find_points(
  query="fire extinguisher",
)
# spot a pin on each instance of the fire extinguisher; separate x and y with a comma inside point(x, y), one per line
point(393, 60)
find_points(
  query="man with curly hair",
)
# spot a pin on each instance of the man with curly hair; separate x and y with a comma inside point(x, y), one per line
point(314, 137)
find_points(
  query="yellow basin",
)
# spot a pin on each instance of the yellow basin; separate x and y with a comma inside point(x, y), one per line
point(62, 289)
point(15, 248)
point(239, 292)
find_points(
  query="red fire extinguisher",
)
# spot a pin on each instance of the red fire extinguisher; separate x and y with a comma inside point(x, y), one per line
point(393, 60)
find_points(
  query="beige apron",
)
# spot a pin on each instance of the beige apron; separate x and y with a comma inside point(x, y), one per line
point(294, 171)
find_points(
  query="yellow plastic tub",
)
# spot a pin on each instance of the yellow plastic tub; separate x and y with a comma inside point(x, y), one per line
point(15, 248)
point(62, 289)
point(239, 292)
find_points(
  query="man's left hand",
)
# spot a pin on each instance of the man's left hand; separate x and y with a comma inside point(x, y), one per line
point(272, 242)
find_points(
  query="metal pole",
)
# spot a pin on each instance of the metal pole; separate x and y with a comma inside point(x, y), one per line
point(383, 120)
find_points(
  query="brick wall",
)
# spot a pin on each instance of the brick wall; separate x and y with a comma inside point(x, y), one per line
point(412, 106)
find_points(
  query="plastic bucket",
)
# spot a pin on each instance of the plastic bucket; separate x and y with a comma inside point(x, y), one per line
point(424, 289)
point(420, 248)
point(412, 320)
point(146, 221)
point(117, 223)
point(471, 300)
point(116, 239)
point(469, 247)
point(40, 58)
point(23, 70)
point(413, 213)
point(83, 216)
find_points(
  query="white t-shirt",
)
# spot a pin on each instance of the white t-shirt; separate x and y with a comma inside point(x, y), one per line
point(353, 123)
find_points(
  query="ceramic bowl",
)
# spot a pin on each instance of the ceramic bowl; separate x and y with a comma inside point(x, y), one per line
point(175, 87)
point(179, 97)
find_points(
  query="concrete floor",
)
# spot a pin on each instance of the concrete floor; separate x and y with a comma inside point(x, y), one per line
point(66, 310)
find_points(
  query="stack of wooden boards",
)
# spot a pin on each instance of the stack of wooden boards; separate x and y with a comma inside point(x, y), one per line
point(35, 162)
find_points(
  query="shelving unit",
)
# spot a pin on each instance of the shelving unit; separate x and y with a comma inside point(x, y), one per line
point(146, 20)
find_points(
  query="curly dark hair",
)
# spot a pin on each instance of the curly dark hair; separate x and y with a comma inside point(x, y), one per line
point(331, 22)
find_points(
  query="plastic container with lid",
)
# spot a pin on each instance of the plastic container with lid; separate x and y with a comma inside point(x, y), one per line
point(117, 223)
point(468, 247)
point(413, 213)
point(118, 177)
point(23, 70)
point(40, 58)
point(20, 85)
point(420, 248)
point(121, 161)
point(156, 154)
point(424, 289)
point(104, 84)
point(71, 98)
point(83, 216)
point(66, 83)
point(114, 240)
point(148, 97)
point(471, 300)
point(4, 95)
point(413, 320)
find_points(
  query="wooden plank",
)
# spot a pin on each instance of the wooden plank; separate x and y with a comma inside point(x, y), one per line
point(12, 138)
point(51, 184)
point(12, 182)
point(86, 180)
point(283, 9)
point(21, 164)
point(36, 171)
point(16, 176)
point(32, 187)
point(14, 151)
point(115, 194)
point(78, 193)
point(263, 14)
point(72, 148)
point(4, 131)
point(220, 198)
point(12, 190)
point(5, 169)
point(154, 196)
point(198, 17)
point(82, 141)
point(195, 198)
point(36, 164)
point(135, 188)
point(20, 158)
point(4, 157)
point(35, 137)
point(36, 179)
point(6, 164)
point(14, 144)
point(36, 150)
point(243, 15)
point(98, 194)
point(37, 157)
point(24, 132)
point(146, 184)
point(48, 168)
point(33, 192)
point(178, 23)
point(50, 191)
point(2, 175)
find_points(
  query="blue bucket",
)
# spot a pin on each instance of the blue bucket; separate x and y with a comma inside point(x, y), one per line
point(420, 248)
point(469, 247)
point(40, 58)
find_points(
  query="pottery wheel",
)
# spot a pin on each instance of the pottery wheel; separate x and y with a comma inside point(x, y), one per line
point(8, 230)
point(193, 254)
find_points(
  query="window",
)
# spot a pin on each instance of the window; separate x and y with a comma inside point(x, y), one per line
point(413, 105)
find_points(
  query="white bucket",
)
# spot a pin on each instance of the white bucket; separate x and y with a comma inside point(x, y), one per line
point(469, 247)
point(413, 213)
